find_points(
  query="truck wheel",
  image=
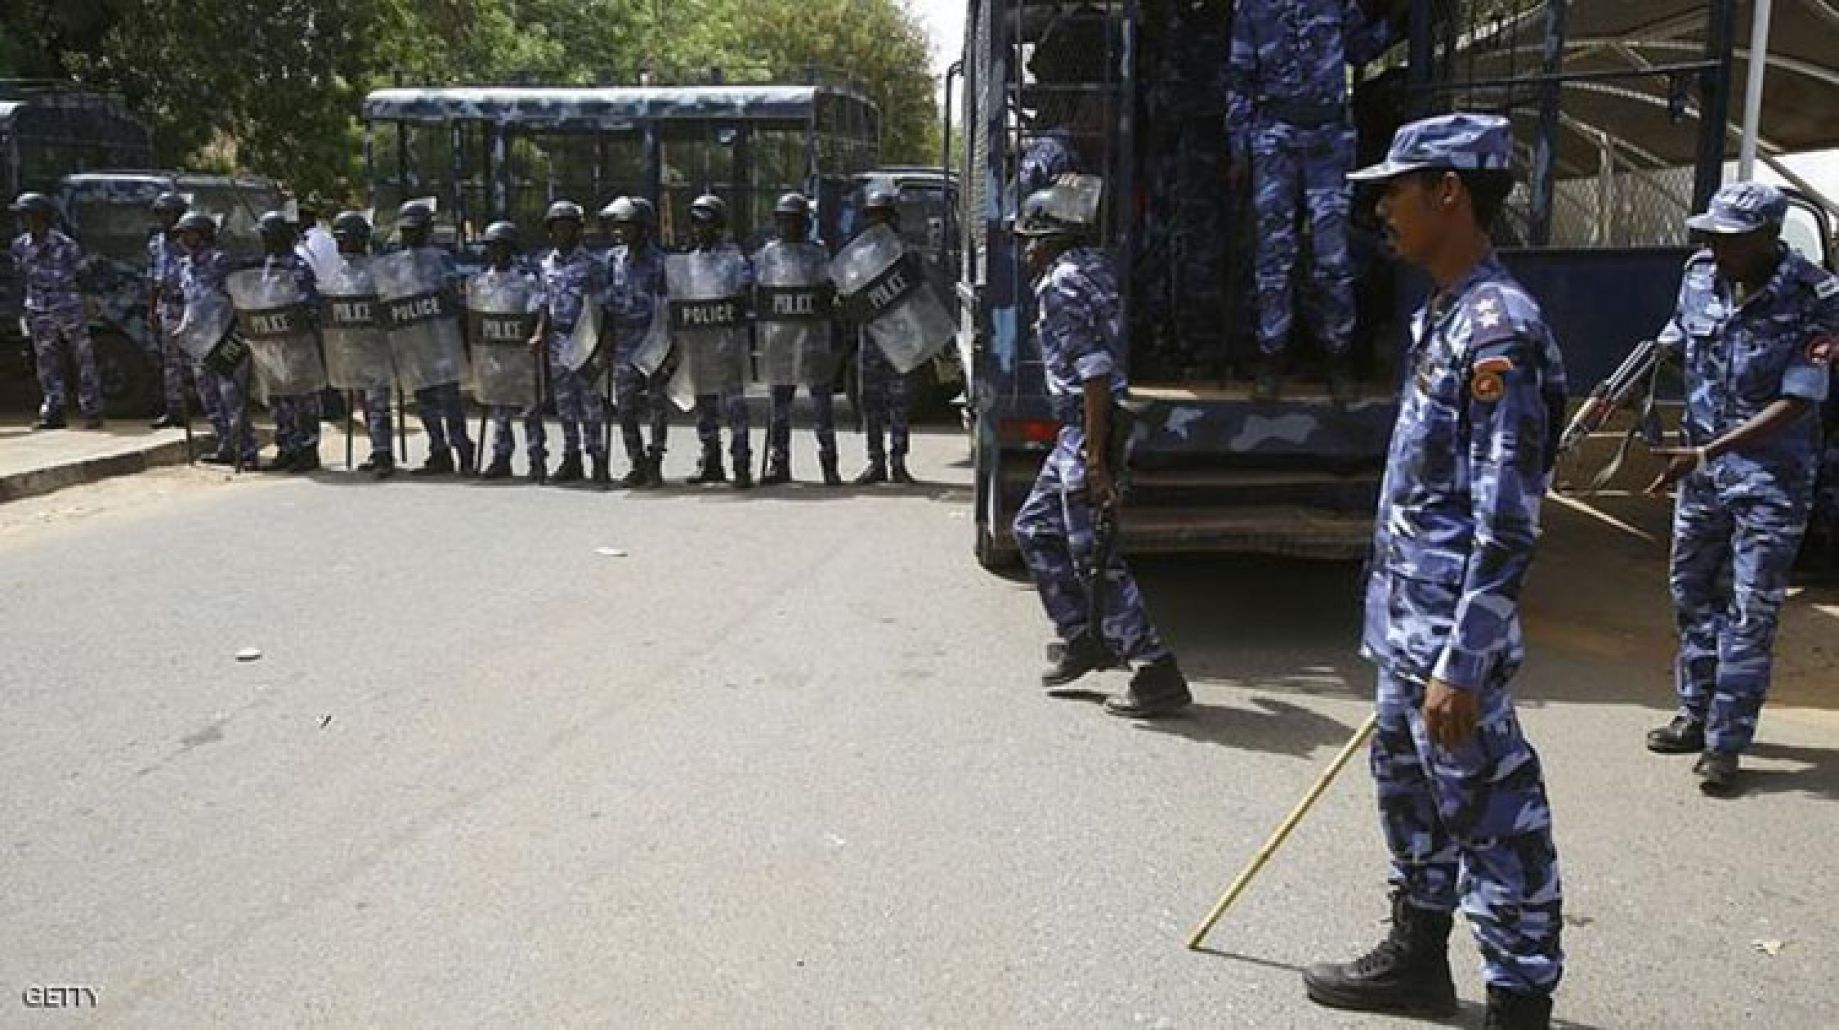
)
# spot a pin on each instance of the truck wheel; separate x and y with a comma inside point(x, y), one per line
point(993, 548)
point(130, 383)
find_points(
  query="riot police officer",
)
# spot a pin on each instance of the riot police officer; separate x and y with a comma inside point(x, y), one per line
point(1751, 318)
point(636, 291)
point(351, 230)
point(501, 240)
point(793, 313)
point(572, 280)
point(443, 410)
point(297, 415)
point(165, 309)
point(708, 230)
point(884, 391)
point(47, 262)
point(202, 281)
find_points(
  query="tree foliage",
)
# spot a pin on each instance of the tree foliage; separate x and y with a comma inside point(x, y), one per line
point(273, 86)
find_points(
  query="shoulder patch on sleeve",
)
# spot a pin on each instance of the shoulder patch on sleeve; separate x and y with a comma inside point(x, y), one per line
point(1827, 288)
point(1485, 379)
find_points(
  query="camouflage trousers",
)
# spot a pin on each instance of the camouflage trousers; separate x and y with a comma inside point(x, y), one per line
point(579, 409)
point(296, 422)
point(504, 439)
point(1296, 168)
point(823, 421)
point(235, 429)
point(443, 416)
point(1734, 543)
point(1053, 529)
point(378, 423)
point(71, 325)
point(730, 406)
point(1472, 825)
point(641, 401)
point(178, 372)
point(884, 397)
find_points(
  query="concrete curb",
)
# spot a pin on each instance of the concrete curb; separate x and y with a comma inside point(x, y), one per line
point(36, 482)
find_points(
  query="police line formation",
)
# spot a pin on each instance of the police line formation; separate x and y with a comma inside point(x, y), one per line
point(1462, 798)
point(632, 331)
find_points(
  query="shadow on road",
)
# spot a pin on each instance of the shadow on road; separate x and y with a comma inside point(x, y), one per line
point(1273, 726)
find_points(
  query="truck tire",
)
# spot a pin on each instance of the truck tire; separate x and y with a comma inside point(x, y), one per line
point(130, 383)
point(994, 547)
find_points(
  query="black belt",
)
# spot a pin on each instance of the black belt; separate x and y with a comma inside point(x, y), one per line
point(1302, 114)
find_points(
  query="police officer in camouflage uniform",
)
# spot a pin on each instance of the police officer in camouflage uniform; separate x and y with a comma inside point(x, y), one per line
point(636, 289)
point(501, 240)
point(884, 393)
point(296, 417)
point(443, 410)
point(708, 228)
point(1079, 326)
point(572, 279)
point(793, 215)
point(202, 282)
point(48, 262)
point(351, 230)
point(1461, 796)
point(1755, 321)
point(165, 309)
point(1285, 80)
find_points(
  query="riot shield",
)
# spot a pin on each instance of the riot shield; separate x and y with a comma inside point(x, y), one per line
point(501, 313)
point(272, 316)
point(581, 344)
point(706, 325)
point(883, 288)
point(792, 307)
point(421, 317)
point(357, 351)
point(654, 347)
point(204, 325)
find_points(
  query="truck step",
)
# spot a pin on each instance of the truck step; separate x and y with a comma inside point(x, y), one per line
point(1286, 531)
point(1254, 488)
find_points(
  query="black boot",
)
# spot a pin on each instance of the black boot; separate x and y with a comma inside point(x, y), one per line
point(743, 476)
point(569, 471)
point(1156, 690)
point(500, 468)
point(440, 463)
point(1683, 736)
point(1508, 1010)
point(1268, 386)
point(1341, 386)
point(1407, 973)
point(709, 468)
point(539, 471)
point(654, 467)
point(220, 456)
point(382, 465)
point(305, 461)
point(827, 462)
point(1717, 773)
point(602, 477)
point(167, 421)
point(639, 477)
point(877, 472)
point(897, 471)
point(778, 469)
point(467, 454)
point(284, 462)
point(1083, 654)
point(50, 421)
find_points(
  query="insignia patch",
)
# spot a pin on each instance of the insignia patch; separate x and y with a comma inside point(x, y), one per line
point(1822, 350)
point(1485, 384)
point(1827, 287)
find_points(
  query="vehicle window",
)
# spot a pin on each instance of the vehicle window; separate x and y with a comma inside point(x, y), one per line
point(113, 230)
point(1805, 232)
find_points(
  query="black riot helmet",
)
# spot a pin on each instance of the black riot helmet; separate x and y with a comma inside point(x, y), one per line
point(414, 215)
point(501, 232)
point(169, 203)
point(880, 205)
point(624, 211)
point(792, 205)
point(564, 210)
point(30, 205)
point(647, 214)
point(1044, 216)
point(274, 228)
point(351, 225)
point(709, 209)
point(199, 222)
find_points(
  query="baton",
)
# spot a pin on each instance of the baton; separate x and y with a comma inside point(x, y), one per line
point(350, 427)
point(402, 423)
point(1276, 839)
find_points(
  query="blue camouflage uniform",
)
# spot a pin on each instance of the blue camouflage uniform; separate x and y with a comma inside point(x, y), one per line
point(1744, 514)
point(713, 409)
point(571, 282)
point(203, 276)
point(1051, 155)
point(1479, 413)
point(636, 290)
point(54, 310)
point(1079, 325)
point(296, 417)
point(165, 267)
point(442, 408)
point(1285, 80)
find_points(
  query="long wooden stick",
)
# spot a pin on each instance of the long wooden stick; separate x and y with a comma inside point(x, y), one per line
point(1276, 839)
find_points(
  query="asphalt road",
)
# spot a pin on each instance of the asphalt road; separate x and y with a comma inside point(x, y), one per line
point(783, 764)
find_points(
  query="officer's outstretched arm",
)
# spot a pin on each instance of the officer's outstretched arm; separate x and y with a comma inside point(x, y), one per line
point(1505, 451)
